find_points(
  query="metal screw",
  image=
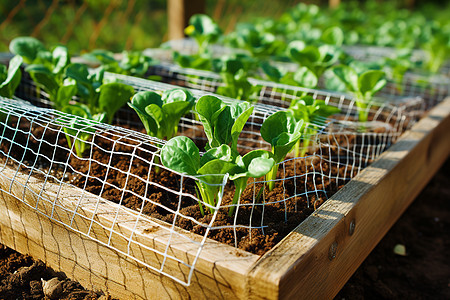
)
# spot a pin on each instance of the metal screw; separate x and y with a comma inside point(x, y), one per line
point(351, 227)
point(332, 251)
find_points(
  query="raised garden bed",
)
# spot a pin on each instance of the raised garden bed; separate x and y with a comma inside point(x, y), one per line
point(320, 251)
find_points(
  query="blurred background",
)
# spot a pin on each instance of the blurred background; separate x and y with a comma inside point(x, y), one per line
point(117, 25)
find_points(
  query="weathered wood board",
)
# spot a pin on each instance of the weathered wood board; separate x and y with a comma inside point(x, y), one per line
point(313, 262)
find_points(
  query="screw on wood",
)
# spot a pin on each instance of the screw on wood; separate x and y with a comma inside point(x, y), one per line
point(332, 251)
point(351, 227)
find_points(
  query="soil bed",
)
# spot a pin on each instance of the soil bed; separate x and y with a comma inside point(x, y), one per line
point(278, 216)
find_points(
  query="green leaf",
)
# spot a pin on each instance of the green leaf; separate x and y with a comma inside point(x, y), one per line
point(333, 36)
point(66, 92)
point(214, 170)
point(348, 76)
point(12, 80)
point(27, 47)
point(61, 59)
point(44, 78)
point(112, 97)
point(306, 78)
point(222, 152)
point(282, 131)
point(139, 102)
point(371, 82)
point(207, 107)
point(240, 112)
point(182, 155)
point(258, 163)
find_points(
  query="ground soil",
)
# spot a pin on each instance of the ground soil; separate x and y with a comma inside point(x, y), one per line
point(424, 273)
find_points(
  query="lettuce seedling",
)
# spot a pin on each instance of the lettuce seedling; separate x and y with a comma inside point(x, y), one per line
point(80, 127)
point(161, 114)
point(222, 123)
point(46, 68)
point(309, 110)
point(256, 41)
point(363, 86)
point(131, 63)
point(303, 77)
point(60, 90)
point(281, 130)
point(254, 164)
point(182, 155)
point(10, 77)
point(316, 59)
point(27, 47)
point(235, 78)
point(204, 30)
point(100, 97)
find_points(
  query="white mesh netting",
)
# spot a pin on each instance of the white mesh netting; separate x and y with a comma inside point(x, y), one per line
point(119, 195)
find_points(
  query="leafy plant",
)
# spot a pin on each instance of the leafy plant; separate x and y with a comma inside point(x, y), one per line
point(204, 30)
point(100, 97)
point(182, 155)
point(311, 111)
point(10, 78)
point(131, 62)
point(257, 42)
point(222, 123)
point(282, 131)
point(303, 77)
point(81, 127)
point(438, 49)
point(235, 78)
point(60, 90)
point(161, 114)
point(27, 47)
point(316, 59)
point(254, 164)
point(363, 86)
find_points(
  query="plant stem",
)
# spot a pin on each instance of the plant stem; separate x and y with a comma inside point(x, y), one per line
point(240, 184)
point(271, 176)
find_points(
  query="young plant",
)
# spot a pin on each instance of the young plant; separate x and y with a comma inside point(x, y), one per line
point(131, 63)
point(204, 30)
point(282, 131)
point(80, 127)
point(46, 68)
point(222, 123)
point(235, 77)
point(161, 114)
point(303, 77)
point(27, 47)
point(60, 90)
point(254, 164)
point(182, 155)
point(10, 78)
point(316, 59)
point(100, 97)
point(309, 110)
point(363, 86)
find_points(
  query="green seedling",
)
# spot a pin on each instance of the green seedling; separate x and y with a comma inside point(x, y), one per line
point(282, 131)
point(363, 86)
point(10, 77)
point(311, 111)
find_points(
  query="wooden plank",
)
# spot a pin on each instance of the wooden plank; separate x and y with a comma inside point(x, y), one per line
point(220, 270)
point(319, 256)
point(178, 14)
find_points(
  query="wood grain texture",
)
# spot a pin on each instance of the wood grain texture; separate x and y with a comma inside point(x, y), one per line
point(220, 269)
point(302, 267)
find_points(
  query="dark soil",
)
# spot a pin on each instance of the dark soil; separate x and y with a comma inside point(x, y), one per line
point(21, 278)
point(278, 216)
point(424, 230)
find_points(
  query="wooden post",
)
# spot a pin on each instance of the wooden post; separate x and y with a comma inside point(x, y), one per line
point(334, 3)
point(178, 14)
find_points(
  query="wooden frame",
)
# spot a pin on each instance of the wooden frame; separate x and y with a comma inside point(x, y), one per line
point(313, 261)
